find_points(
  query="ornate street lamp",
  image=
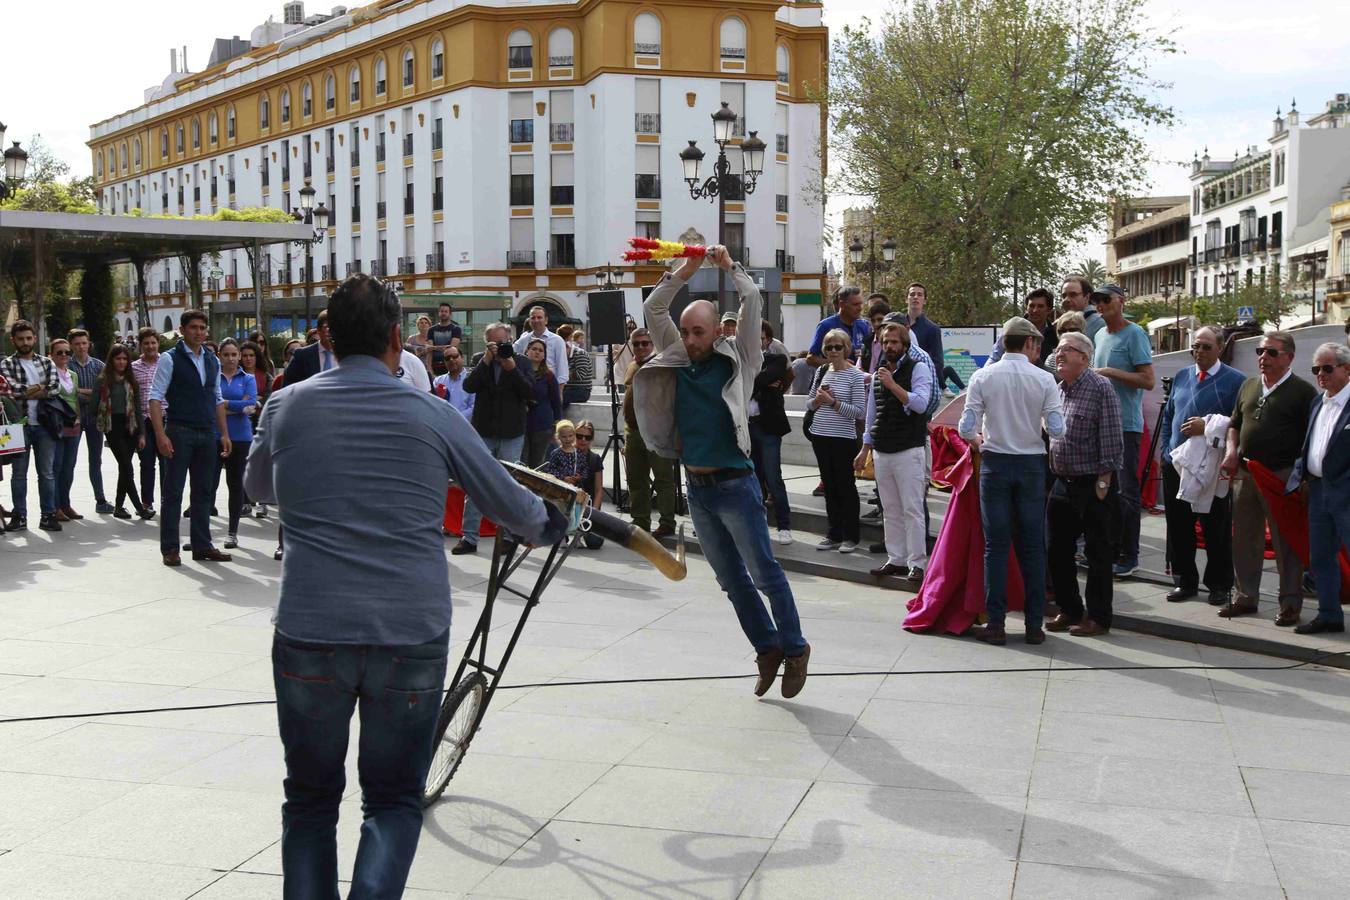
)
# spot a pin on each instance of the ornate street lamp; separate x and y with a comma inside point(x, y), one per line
point(873, 265)
point(318, 218)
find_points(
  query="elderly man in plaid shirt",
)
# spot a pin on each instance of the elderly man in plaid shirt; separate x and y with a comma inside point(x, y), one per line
point(1083, 463)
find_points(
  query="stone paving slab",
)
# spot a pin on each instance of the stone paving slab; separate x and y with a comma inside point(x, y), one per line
point(1066, 780)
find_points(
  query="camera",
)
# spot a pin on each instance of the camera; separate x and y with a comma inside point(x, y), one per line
point(505, 350)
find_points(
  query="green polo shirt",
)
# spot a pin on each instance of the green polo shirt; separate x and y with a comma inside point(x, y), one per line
point(1271, 432)
point(707, 432)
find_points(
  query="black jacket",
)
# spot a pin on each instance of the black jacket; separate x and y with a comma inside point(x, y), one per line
point(769, 395)
point(500, 406)
point(304, 363)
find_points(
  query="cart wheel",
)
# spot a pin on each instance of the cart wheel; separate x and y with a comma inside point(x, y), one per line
point(454, 730)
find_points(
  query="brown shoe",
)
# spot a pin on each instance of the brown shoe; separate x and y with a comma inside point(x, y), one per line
point(60, 516)
point(70, 513)
point(990, 634)
point(211, 555)
point(172, 558)
point(1088, 628)
point(768, 663)
point(1035, 636)
point(1060, 623)
point(1287, 618)
point(664, 531)
point(889, 569)
point(794, 673)
point(1233, 610)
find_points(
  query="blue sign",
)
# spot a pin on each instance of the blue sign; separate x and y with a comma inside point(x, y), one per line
point(1246, 313)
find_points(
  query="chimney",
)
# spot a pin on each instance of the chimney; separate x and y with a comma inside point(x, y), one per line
point(173, 62)
point(184, 58)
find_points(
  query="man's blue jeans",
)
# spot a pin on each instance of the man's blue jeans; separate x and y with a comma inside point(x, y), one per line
point(1328, 530)
point(507, 449)
point(766, 451)
point(42, 446)
point(1012, 512)
point(194, 452)
point(65, 453)
point(399, 692)
point(732, 532)
point(93, 448)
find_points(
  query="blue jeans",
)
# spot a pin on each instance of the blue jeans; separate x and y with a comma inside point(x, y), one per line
point(65, 454)
point(732, 532)
point(43, 446)
point(766, 450)
point(399, 691)
point(507, 449)
point(93, 446)
point(194, 451)
point(1328, 531)
point(1012, 512)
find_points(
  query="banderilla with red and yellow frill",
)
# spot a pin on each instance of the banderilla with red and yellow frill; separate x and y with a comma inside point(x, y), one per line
point(650, 248)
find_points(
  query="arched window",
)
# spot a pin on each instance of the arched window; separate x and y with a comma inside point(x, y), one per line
point(168, 324)
point(285, 106)
point(520, 50)
point(112, 168)
point(560, 47)
point(229, 123)
point(212, 129)
point(122, 158)
point(307, 100)
point(733, 38)
point(381, 81)
point(98, 165)
point(135, 153)
point(783, 64)
point(264, 112)
point(196, 134)
point(354, 80)
point(647, 34)
point(164, 143)
point(178, 138)
point(330, 93)
point(408, 63)
point(437, 59)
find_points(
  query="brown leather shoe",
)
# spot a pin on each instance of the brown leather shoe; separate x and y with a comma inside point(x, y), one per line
point(211, 555)
point(664, 531)
point(794, 673)
point(1287, 618)
point(1233, 610)
point(989, 634)
point(1088, 628)
point(1035, 636)
point(889, 569)
point(1059, 623)
point(70, 513)
point(768, 663)
point(60, 516)
point(172, 558)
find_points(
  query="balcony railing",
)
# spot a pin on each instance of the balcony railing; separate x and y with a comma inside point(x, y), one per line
point(647, 49)
point(1275, 240)
point(1248, 246)
point(326, 272)
point(780, 203)
point(283, 276)
point(378, 267)
point(647, 187)
point(520, 57)
point(354, 268)
point(783, 262)
point(561, 132)
point(1211, 254)
point(781, 142)
point(733, 53)
point(1192, 258)
point(380, 208)
point(562, 260)
point(436, 262)
point(560, 61)
point(522, 131)
point(407, 145)
point(647, 123)
point(163, 287)
point(561, 194)
point(520, 259)
point(1260, 243)
point(406, 266)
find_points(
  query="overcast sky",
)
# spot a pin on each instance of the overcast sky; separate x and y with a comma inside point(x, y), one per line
point(1239, 60)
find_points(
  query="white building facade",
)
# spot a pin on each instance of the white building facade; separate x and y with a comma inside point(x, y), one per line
point(489, 155)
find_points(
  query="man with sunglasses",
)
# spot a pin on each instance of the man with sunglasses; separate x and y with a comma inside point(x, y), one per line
point(1324, 465)
point(1269, 422)
point(1208, 388)
point(643, 467)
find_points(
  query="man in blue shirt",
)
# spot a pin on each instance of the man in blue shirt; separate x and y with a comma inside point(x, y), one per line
point(1125, 356)
point(451, 384)
point(850, 319)
point(692, 403)
point(923, 330)
point(364, 612)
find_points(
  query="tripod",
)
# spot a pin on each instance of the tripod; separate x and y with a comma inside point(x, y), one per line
point(615, 439)
point(1152, 450)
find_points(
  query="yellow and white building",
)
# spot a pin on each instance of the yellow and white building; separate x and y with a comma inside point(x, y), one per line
point(495, 153)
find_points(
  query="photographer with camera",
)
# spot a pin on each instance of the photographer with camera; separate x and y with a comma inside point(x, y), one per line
point(502, 393)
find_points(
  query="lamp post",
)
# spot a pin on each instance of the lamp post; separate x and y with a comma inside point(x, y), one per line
point(16, 164)
point(872, 265)
point(722, 180)
point(318, 219)
point(1312, 273)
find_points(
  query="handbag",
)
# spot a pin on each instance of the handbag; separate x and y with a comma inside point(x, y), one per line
point(12, 441)
point(869, 468)
point(811, 411)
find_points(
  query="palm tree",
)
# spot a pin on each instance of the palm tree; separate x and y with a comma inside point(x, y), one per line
point(1092, 270)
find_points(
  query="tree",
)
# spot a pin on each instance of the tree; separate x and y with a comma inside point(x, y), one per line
point(1091, 269)
point(1270, 303)
point(96, 300)
point(991, 133)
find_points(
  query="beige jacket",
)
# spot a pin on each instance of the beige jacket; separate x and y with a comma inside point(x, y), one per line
point(654, 384)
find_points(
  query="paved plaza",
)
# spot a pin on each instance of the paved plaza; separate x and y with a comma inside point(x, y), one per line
point(1045, 784)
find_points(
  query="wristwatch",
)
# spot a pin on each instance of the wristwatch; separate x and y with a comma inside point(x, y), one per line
point(1102, 485)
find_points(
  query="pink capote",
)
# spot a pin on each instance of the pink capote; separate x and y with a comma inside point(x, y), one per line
point(952, 596)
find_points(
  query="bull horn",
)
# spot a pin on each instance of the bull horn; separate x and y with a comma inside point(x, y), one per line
point(628, 535)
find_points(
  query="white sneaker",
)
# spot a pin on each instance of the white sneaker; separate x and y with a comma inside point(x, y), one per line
point(827, 544)
point(784, 536)
point(949, 393)
point(848, 546)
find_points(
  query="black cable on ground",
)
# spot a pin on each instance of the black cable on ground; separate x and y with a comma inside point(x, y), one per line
point(687, 678)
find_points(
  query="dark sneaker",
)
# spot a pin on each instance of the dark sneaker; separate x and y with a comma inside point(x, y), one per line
point(17, 523)
point(49, 523)
point(103, 507)
point(463, 547)
point(120, 513)
point(794, 673)
point(768, 664)
point(147, 513)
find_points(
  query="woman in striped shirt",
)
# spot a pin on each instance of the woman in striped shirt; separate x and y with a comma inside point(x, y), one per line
point(839, 400)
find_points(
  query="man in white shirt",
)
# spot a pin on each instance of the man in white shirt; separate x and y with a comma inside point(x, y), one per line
point(555, 348)
point(1325, 466)
point(1006, 405)
point(411, 370)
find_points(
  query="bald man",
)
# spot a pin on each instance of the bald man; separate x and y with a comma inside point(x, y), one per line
point(692, 401)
